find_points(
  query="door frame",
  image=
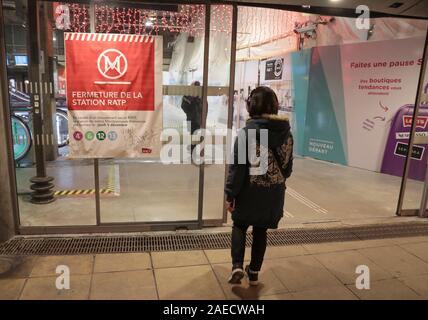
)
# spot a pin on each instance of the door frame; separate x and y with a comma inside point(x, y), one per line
point(99, 226)
point(199, 222)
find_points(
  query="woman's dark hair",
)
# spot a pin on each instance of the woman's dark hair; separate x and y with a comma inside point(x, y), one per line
point(262, 100)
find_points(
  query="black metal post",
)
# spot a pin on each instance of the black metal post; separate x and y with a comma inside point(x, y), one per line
point(97, 192)
point(231, 93)
point(204, 110)
point(41, 184)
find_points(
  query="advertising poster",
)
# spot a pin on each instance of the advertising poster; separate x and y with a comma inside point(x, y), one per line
point(300, 67)
point(274, 69)
point(380, 81)
point(325, 132)
point(114, 95)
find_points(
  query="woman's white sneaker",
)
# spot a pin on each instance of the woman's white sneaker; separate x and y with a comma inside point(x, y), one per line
point(236, 276)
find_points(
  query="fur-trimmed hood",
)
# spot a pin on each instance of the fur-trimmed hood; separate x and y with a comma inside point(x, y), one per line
point(278, 127)
point(276, 117)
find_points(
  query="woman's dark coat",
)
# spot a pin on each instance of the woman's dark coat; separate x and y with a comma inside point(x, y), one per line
point(259, 194)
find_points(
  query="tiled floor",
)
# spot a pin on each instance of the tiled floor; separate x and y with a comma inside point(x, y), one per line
point(398, 270)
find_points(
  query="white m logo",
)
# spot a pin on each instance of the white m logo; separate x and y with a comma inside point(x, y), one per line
point(112, 64)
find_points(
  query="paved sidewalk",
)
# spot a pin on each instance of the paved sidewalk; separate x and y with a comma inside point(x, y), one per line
point(398, 270)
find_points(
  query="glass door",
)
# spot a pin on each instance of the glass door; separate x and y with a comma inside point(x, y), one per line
point(163, 189)
point(56, 188)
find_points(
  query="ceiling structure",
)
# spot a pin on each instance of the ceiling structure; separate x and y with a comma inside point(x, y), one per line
point(405, 8)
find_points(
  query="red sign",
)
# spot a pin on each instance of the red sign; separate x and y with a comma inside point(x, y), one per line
point(109, 72)
point(421, 122)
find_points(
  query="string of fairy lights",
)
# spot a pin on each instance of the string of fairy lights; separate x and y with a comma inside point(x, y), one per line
point(188, 19)
point(255, 25)
point(79, 17)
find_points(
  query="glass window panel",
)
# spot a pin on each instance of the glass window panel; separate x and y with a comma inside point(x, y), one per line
point(148, 190)
point(73, 180)
point(217, 115)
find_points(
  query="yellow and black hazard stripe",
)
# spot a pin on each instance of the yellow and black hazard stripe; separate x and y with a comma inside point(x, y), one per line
point(106, 191)
point(81, 192)
point(111, 187)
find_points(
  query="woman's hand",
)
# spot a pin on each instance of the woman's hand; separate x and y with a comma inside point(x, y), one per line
point(230, 206)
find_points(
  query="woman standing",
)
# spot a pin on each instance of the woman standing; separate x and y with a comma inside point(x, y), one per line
point(255, 191)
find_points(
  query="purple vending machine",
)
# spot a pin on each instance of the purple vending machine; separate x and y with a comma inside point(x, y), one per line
point(397, 143)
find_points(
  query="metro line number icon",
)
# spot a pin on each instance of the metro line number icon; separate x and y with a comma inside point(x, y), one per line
point(112, 64)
